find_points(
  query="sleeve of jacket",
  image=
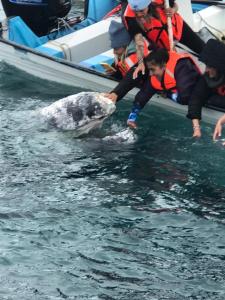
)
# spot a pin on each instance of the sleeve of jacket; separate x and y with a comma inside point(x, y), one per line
point(186, 75)
point(198, 99)
point(144, 95)
point(126, 84)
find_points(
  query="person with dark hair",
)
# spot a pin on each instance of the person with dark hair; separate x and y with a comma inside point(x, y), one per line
point(126, 60)
point(210, 89)
point(171, 74)
point(148, 18)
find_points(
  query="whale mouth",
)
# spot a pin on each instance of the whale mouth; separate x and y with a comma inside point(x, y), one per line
point(93, 124)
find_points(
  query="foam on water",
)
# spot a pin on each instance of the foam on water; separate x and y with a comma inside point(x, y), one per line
point(126, 136)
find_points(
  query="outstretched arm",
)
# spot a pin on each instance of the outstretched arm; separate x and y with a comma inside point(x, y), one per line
point(124, 86)
point(218, 129)
point(139, 41)
point(197, 100)
point(141, 99)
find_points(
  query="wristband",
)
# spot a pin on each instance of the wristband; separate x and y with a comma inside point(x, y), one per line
point(134, 114)
point(132, 117)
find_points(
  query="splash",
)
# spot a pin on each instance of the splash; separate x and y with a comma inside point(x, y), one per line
point(126, 136)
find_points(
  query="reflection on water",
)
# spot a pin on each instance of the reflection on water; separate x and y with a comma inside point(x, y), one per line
point(112, 215)
point(100, 217)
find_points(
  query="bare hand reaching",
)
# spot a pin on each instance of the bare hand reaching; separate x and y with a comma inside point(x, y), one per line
point(112, 96)
point(217, 131)
point(140, 68)
point(132, 124)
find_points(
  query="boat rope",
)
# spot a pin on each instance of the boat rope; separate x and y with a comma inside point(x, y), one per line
point(64, 48)
point(65, 23)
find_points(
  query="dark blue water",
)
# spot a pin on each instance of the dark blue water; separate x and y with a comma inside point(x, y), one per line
point(92, 219)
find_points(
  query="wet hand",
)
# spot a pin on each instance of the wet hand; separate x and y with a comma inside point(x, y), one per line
point(197, 132)
point(112, 96)
point(140, 68)
point(132, 124)
point(217, 131)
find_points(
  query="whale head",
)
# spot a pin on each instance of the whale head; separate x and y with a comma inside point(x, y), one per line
point(81, 112)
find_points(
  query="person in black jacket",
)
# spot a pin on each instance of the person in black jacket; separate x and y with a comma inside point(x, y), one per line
point(159, 63)
point(172, 75)
point(210, 89)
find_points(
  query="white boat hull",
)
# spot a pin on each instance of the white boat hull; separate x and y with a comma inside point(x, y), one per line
point(57, 70)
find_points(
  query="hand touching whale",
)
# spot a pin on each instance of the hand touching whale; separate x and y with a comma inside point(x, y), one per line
point(81, 112)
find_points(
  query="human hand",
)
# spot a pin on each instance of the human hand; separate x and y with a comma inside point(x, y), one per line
point(197, 132)
point(196, 128)
point(112, 96)
point(217, 131)
point(140, 68)
point(170, 12)
point(132, 124)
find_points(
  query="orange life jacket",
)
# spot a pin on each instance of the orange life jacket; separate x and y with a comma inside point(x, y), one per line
point(177, 21)
point(156, 28)
point(127, 63)
point(221, 90)
point(169, 82)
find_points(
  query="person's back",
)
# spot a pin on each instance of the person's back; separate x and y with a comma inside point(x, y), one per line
point(210, 89)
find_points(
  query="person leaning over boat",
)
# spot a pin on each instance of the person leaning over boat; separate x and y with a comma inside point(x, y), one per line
point(126, 60)
point(148, 18)
point(210, 89)
point(171, 74)
point(125, 56)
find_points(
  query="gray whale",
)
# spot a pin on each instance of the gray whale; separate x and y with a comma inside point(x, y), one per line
point(81, 112)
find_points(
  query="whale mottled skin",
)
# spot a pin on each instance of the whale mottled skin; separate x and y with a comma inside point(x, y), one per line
point(81, 112)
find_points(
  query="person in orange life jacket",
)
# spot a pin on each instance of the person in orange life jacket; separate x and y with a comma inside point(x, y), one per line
point(148, 18)
point(124, 50)
point(210, 89)
point(171, 74)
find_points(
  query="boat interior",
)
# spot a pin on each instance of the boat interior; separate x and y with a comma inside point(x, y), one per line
point(85, 40)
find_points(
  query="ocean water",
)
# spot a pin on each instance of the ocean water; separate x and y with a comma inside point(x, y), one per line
point(112, 215)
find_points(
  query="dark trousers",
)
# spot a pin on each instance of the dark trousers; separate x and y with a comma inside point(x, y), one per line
point(190, 39)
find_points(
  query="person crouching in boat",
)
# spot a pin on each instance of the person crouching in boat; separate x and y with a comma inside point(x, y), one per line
point(124, 51)
point(210, 89)
point(148, 18)
point(171, 74)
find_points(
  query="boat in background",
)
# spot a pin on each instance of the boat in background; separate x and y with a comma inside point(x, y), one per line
point(70, 52)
